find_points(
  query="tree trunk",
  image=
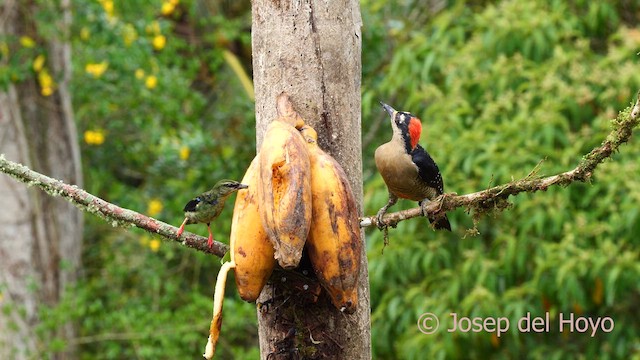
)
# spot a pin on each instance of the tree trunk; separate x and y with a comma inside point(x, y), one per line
point(311, 50)
point(40, 236)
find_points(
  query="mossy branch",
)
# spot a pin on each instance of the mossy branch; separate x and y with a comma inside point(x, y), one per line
point(496, 197)
point(111, 213)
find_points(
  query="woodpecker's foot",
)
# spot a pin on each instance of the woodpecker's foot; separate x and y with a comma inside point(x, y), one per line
point(379, 222)
point(210, 240)
point(439, 223)
point(381, 225)
point(181, 228)
point(423, 206)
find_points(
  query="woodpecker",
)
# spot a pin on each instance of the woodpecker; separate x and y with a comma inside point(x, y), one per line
point(407, 168)
point(207, 206)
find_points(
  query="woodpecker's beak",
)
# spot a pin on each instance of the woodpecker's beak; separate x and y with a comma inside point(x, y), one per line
point(242, 186)
point(388, 109)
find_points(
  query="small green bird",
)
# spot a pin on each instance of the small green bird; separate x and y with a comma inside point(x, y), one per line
point(206, 207)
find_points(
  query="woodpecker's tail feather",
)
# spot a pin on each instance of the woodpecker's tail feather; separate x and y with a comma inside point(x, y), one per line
point(441, 223)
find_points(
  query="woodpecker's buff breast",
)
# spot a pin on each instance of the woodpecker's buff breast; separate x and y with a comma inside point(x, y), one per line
point(401, 174)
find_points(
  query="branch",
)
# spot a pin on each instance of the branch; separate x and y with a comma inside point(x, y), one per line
point(492, 198)
point(116, 215)
point(496, 197)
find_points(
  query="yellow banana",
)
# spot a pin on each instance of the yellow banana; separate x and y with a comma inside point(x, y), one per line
point(251, 250)
point(334, 243)
point(284, 191)
point(216, 322)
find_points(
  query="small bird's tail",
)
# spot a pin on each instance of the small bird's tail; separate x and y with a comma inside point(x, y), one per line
point(441, 223)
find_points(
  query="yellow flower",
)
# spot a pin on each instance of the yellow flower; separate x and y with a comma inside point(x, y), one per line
point(154, 244)
point(38, 63)
point(94, 137)
point(154, 207)
point(27, 42)
point(84, 33)
point(139, 74)
point(184, 152)
point(46, 83)
point(159, 41)
point(151, 81)
point(107, 5)
point(167, 8)
point(129, 34)
point(96, 69)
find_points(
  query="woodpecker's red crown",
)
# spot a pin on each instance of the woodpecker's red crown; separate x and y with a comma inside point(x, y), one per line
point(415, 129)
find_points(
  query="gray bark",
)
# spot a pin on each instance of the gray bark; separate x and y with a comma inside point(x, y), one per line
point(40, 236)
point(311, 49)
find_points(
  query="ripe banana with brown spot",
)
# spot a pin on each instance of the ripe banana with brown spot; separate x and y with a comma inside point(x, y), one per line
point(334, 244)
point(216, 322)
point(251, 250)
point(284, 191)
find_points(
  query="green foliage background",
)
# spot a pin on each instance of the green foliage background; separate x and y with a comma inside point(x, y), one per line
point(499, 86)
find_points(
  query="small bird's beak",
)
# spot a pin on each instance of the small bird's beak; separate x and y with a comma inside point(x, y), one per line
point(242, 186)
point(388, 109)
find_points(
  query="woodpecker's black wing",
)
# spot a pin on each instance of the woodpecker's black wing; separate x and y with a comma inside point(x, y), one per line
point(427, 169)
point(430, 174)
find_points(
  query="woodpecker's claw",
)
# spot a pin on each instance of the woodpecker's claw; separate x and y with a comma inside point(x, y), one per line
point(392, 201)
point(441, 222)
point(423, 206)
point(379, 223)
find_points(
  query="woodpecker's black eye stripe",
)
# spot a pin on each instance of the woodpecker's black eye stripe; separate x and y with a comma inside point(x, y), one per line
point(402, 121)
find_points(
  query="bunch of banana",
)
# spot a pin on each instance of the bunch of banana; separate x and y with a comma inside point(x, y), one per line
point(251, 250)
point(297, 195)
point(284, 191)
point(333, 244)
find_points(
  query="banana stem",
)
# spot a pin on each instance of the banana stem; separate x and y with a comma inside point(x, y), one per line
point(216, 322)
